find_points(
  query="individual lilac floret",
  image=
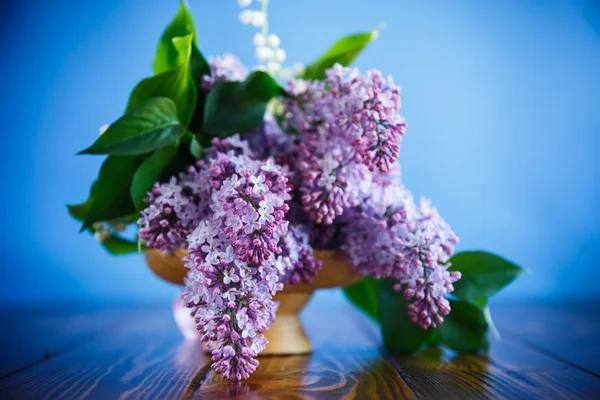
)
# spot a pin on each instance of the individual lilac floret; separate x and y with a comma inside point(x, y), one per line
point(225, 68)
point(391, 237)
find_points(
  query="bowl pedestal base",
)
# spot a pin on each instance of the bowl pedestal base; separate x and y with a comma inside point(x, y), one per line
point(286, 335)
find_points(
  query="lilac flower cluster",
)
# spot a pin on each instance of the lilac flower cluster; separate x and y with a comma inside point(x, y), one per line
point(347, 125)
point(296, 257)
point(320, 174)
point(229, 212)
point(233, 274)
point(174, 210)
point(390, 236)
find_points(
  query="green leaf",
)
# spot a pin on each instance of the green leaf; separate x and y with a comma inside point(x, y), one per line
point(483, 274)
point(81, 210)
point(111, 197)
point(167, 55)
point(434, 339)
point(483, 304)
point(233, 107)
point(399, 333)
point(177, 84)
point(149, 126)
point(196, 148)
point(117, 245)
point(196, 62)
point(148, 173)
point(344, 51)
point(465, 328)
point(363, 294)
point(181, 160)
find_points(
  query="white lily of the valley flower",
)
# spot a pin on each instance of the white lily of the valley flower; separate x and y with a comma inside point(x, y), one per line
point(287, 73)
point(279, 55)
point(273, 41)
point(258, 19)
point(298, 69)
point(102, 235)
point(273, 67)
point(264, 53)
point(260, 40)
point(246, 17)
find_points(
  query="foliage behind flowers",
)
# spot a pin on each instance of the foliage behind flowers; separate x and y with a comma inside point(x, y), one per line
point(251, 177)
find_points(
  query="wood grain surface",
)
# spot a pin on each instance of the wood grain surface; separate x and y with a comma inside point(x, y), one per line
point(547, 351)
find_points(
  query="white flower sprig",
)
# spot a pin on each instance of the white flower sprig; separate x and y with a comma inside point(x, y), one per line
point(267, 45)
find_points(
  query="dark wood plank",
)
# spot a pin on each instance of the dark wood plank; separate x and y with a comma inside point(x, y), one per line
point(566, 384)
point(32, 336)
point(140, 354)
point(142, 358)
point(566, 332)
point(436, 374)
point(512, 369)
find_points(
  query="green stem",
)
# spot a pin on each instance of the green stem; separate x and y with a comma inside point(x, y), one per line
point(265, 6)
point(490, 322)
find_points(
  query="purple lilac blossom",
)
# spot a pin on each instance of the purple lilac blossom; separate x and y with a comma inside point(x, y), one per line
point(240, 254)
point(389, 236)
point(174, 210)
point(233, 257)
point(346, 126)
point(296, 258)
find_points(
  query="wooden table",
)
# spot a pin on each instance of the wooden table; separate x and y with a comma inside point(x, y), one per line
point(546, 351)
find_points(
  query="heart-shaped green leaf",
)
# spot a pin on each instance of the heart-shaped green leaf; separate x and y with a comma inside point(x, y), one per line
point(399, 333)
point(167, 55)
point(344, 51)
point(233, 107)
point(465, 328)
point(363, 294)
point(177, 84)
point(149, 126)
point(149, 172)
point(111, 197)
point(483, 274)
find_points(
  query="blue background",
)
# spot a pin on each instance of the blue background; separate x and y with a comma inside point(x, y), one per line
point(501, 98)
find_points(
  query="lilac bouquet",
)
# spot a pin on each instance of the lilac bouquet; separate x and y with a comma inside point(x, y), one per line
point(250, 172)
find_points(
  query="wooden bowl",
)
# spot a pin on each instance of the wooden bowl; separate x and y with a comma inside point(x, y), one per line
point(286, 334)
